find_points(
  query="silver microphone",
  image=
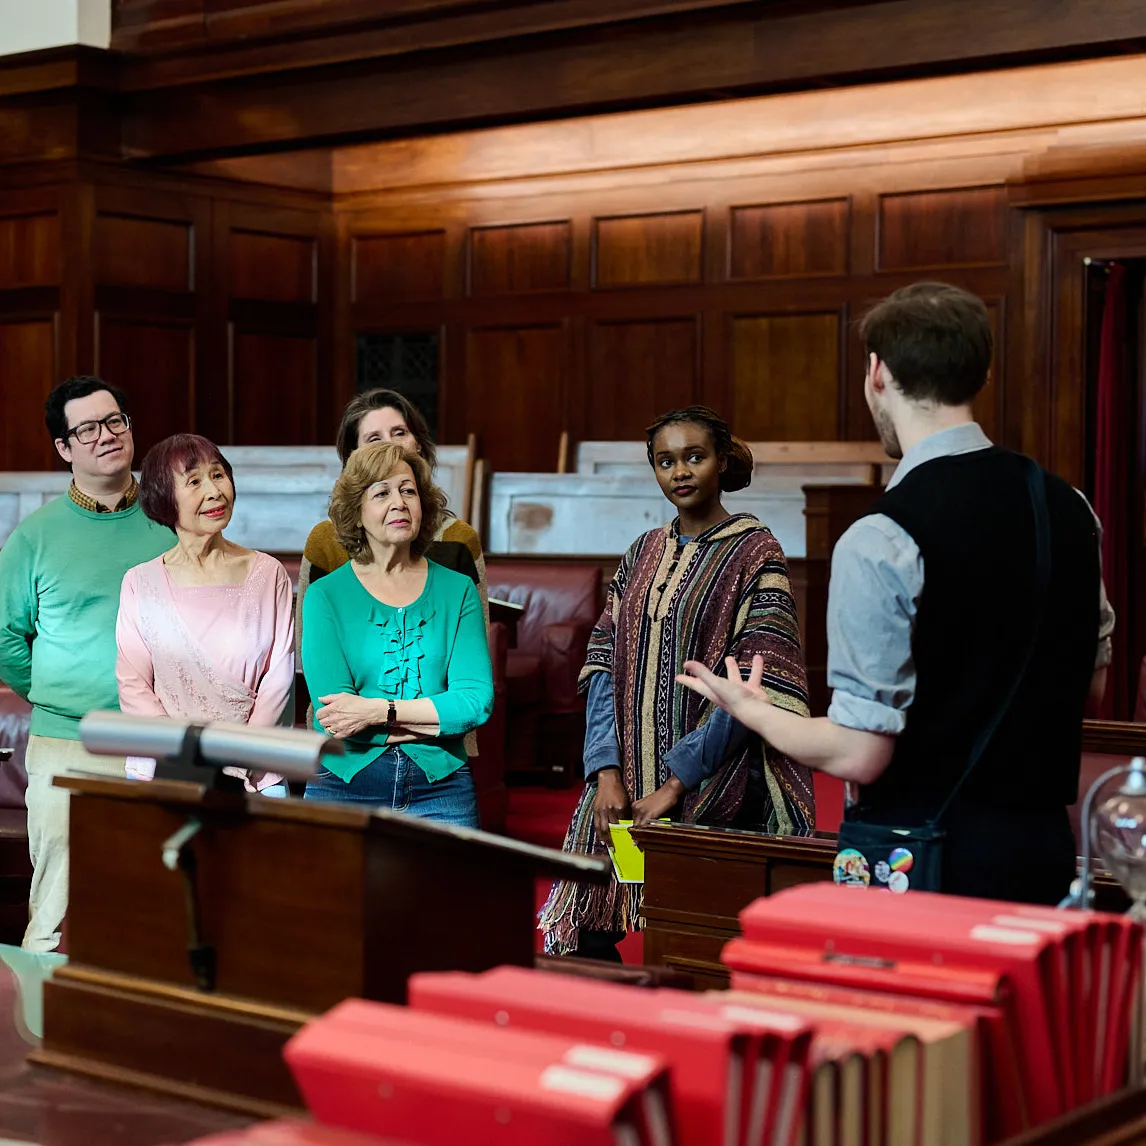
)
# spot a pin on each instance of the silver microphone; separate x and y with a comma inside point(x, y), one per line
point(291, 752)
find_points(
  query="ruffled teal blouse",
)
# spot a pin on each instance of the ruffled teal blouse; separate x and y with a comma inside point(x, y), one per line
point(435, 647)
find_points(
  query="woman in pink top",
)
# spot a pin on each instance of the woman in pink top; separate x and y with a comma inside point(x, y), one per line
point(206, 631)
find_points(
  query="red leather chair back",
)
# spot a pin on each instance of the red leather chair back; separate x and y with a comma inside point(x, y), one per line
point(14, 716)
point(551, 593)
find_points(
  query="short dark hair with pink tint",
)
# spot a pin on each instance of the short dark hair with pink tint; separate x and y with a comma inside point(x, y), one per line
point(167, 460)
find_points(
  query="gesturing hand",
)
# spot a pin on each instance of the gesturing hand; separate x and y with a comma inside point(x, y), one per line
point(343, 714)
point(611, 804)
point(732, 693)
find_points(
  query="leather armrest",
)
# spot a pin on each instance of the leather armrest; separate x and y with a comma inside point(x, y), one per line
point(563, 648)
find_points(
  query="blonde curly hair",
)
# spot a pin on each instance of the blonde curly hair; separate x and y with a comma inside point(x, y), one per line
point(364, 467)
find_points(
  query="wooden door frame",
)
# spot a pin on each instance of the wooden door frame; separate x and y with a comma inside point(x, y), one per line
point(1047, 411)
point(1056, 395)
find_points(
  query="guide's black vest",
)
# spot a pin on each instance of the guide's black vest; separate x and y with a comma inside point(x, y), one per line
point(972, 518)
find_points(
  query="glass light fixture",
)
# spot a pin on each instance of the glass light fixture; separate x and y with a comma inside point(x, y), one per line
point(1113, 824)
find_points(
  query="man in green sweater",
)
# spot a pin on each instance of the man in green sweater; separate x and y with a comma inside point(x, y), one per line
point(60, 574)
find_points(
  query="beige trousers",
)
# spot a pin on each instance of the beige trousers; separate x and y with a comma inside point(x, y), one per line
point(46, 758)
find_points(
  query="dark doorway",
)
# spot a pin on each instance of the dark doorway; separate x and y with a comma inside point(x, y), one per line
point(1116, 456)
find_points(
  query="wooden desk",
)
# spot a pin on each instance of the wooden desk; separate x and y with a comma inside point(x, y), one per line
point(698, 880)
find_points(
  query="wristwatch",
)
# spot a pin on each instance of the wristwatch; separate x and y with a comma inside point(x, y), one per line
point(391, 714)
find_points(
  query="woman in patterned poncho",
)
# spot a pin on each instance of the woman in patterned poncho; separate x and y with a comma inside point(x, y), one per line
point(706, 586)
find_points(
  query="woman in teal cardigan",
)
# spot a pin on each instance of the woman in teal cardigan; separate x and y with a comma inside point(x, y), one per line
point(394, 648)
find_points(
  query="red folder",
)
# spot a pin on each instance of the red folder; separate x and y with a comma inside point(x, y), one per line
point(707, 1054)
point(911, 988)
point(1095, 976)
point(1078, 992)
point(393, 1072)
point(845, 924)
point(1068, 967)
point(776, 1065)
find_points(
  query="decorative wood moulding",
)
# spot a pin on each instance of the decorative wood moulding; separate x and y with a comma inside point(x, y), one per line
point(30, 250)
point(409, 265)
point(645, 250)
point(547, 58)
point(926, 230)
point(520, 258)
point(143, 252)
point(275, 267)
point(786, 376)
point(789, 240)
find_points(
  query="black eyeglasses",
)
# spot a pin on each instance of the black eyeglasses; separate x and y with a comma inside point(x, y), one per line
point(87, 432)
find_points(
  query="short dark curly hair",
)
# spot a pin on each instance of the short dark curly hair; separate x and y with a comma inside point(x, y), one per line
point(374, 463)
point(175, 455)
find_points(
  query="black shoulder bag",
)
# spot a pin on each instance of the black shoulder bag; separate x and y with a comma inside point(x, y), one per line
point(896, 859)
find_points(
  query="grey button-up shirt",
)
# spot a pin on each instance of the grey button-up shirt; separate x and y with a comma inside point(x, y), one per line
point(873, 596)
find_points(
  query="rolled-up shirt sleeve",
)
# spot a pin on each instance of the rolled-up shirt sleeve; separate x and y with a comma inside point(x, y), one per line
point(873, 598)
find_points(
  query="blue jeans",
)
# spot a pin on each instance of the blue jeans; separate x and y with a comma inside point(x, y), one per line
point(394, 781)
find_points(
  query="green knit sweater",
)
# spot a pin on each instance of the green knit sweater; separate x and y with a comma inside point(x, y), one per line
point(60, 573)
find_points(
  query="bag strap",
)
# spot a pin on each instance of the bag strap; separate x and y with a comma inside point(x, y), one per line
point(1036, 485)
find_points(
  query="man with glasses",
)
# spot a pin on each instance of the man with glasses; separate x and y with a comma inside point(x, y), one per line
point(60, 574)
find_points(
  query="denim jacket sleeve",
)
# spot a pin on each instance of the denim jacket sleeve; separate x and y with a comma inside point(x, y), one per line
point(602, 750)
point(695, 757)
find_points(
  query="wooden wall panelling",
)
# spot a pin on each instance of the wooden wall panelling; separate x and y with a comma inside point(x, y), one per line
point(150, 256)
point(30, 249)
point(335, 267)
point(520, 258)
point(28, 371)
point(642, 250)
point(273, 266)
point(929, 230)
point(274, 387)
point(336, 383)
point(77, 285)
point(514, 395)
point(987, 405)
point(31, 276)
point(789, 240)
point(279, 368)
point(391, 266)
point(786, 376)
point(636, 371)
point(144, 251)
point(153, 360)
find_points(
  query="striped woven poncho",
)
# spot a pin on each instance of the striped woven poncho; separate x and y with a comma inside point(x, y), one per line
point(723, 593)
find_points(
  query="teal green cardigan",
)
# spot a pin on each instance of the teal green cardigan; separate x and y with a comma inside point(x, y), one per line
point(435, 648)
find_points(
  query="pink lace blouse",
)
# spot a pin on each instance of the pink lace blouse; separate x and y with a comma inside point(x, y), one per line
point(205, 652)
